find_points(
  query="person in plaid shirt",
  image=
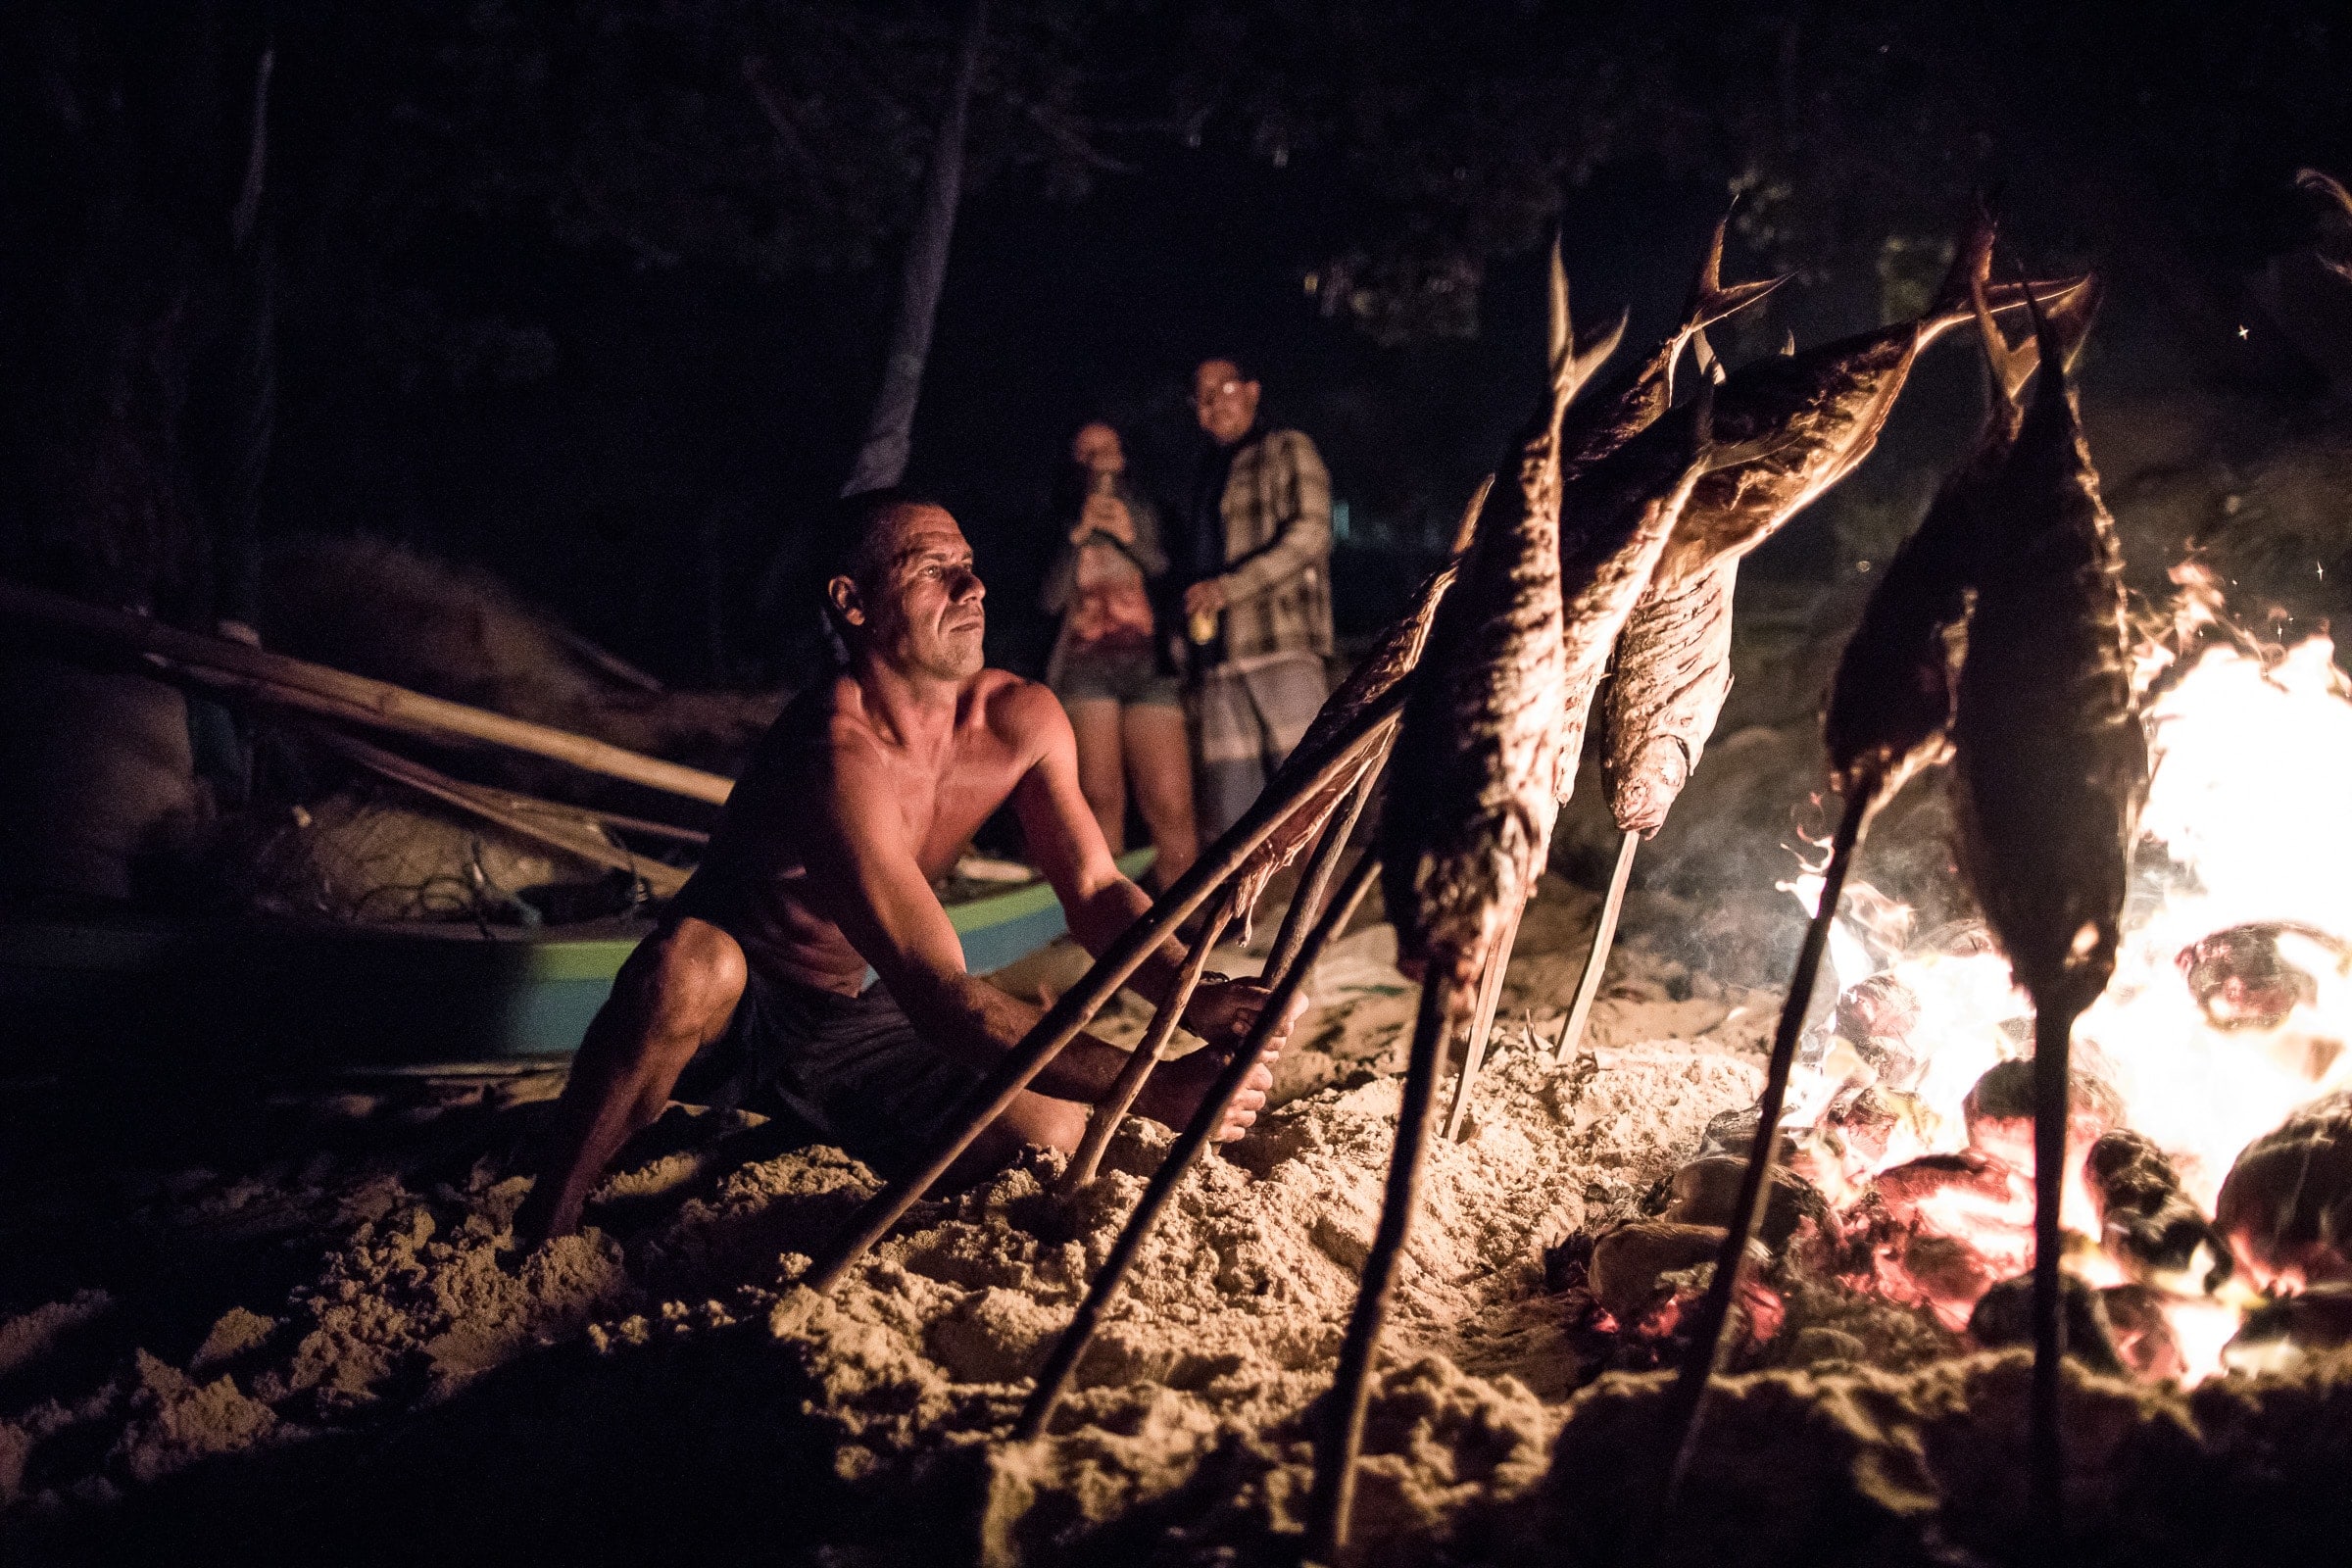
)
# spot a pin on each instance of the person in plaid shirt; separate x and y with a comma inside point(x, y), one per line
point(1255, 556)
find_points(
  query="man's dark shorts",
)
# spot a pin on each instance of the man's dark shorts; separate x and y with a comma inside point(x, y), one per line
point(851, 1069)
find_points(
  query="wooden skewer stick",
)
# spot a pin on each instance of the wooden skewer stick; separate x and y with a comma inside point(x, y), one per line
point(990, 1097)
point(1055, 1375)
point(1341, 1433)
point(1687, 1399)
point(1112, 1108)
point(1482, 1021)
point(1597, 959)
point(337, 693)
point(1306, 900)
point(2046, 1449)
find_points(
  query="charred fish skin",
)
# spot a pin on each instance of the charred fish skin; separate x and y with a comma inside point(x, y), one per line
point(1891, 702)
point(1468, 824)
point(1674, 671)
point(1827, 405)
point(2051, 760)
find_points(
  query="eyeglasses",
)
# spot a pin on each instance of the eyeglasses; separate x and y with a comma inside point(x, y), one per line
point(1223, 389)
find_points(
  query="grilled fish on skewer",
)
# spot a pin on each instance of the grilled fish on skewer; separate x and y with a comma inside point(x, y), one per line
point(1594, 429)
point(1674, 669)
point(1391, 660)
point(1469, 819)
point(1827, 403)
point(1891, 702)
point(2053, 760)
point(2051, 765)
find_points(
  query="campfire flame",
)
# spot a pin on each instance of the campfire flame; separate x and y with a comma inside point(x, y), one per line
point(2230, 1007)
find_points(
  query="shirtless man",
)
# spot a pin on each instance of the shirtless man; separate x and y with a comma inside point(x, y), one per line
point(753, 992)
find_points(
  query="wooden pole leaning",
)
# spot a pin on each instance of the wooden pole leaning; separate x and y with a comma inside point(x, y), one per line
point(1341, 1431)
point(2045, 1443)
point(1053, 1378)
point(1688, 1398)
point(1482, 1021)
point(1306, 900)
point(1112, 1108)
point(1597, 959)
point(989, 1098)
point(337, 693)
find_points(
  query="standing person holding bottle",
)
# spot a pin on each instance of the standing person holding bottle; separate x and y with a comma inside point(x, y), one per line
point(1125, 704)
point(1255, 560)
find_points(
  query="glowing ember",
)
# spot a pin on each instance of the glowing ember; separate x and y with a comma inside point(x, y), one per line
point(2230, 1011)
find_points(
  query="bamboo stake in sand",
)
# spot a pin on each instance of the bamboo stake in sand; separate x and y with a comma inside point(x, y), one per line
point(989, 1098)
point(2053, 1041)
point(1055, 1377)
point(1482, 1020)
point(1306, 900)
point(1596, 958)
point(1111, 1109)
point(1687, 1400)
point(1341, 1431)
point(337, 693)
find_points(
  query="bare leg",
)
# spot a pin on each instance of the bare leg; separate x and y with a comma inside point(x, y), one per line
point(673, 995)
point(1159, 760)
point(1102, 772)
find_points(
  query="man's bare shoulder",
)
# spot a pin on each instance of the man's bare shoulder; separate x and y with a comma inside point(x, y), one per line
point(1021, 712)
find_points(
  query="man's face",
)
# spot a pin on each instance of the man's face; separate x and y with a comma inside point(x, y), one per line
point(925, 614)
point(1225, 404)
point(1096, 447)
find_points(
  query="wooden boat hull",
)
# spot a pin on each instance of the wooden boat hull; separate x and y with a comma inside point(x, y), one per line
point(286, 994)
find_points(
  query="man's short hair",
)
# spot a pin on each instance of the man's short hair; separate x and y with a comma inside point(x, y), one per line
point(1241, 366)
point(859, 535)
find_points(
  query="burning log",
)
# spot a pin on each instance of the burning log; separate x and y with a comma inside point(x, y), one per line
point(1628, 1262)
point(2244, 977)
point(2285, 1207)
point(2144, 1336)
point(1705, 1193)
point(1463, 836)
point(1875, 1017)
point(2001, 1109)
point(2052, 766)
point(2148, 1224)
point(2277, 1334)
point(2006, 1316)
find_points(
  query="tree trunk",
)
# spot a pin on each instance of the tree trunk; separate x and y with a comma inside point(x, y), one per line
point(890, 431)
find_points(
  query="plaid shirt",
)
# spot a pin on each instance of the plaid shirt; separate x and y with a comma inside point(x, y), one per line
point(1277, 578)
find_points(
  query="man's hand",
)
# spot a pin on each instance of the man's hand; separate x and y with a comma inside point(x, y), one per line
point(1206, 597)
point(1107, 514)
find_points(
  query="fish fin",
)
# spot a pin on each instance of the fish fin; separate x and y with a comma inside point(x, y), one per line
point(1573, 364)
point(2052, 293)
point(2012, 368)
point(1704, 353)
point(1711, 302)
point(2326, 187)
point(2072, 314)
point(1788, 345)
point(1467, 529)
point(2045, 337)
point(1972, 265)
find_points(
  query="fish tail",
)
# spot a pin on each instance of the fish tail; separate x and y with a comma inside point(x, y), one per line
point(1711, 302)
point(1573, 364)
point(1972, 267)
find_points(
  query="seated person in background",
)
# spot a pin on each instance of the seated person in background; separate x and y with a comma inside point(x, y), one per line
point(1126, 709)
point(752, 992)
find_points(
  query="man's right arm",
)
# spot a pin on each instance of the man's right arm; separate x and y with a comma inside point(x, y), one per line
point(864, 877)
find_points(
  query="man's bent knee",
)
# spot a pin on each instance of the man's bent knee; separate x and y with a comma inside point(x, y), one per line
point(681, 985)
